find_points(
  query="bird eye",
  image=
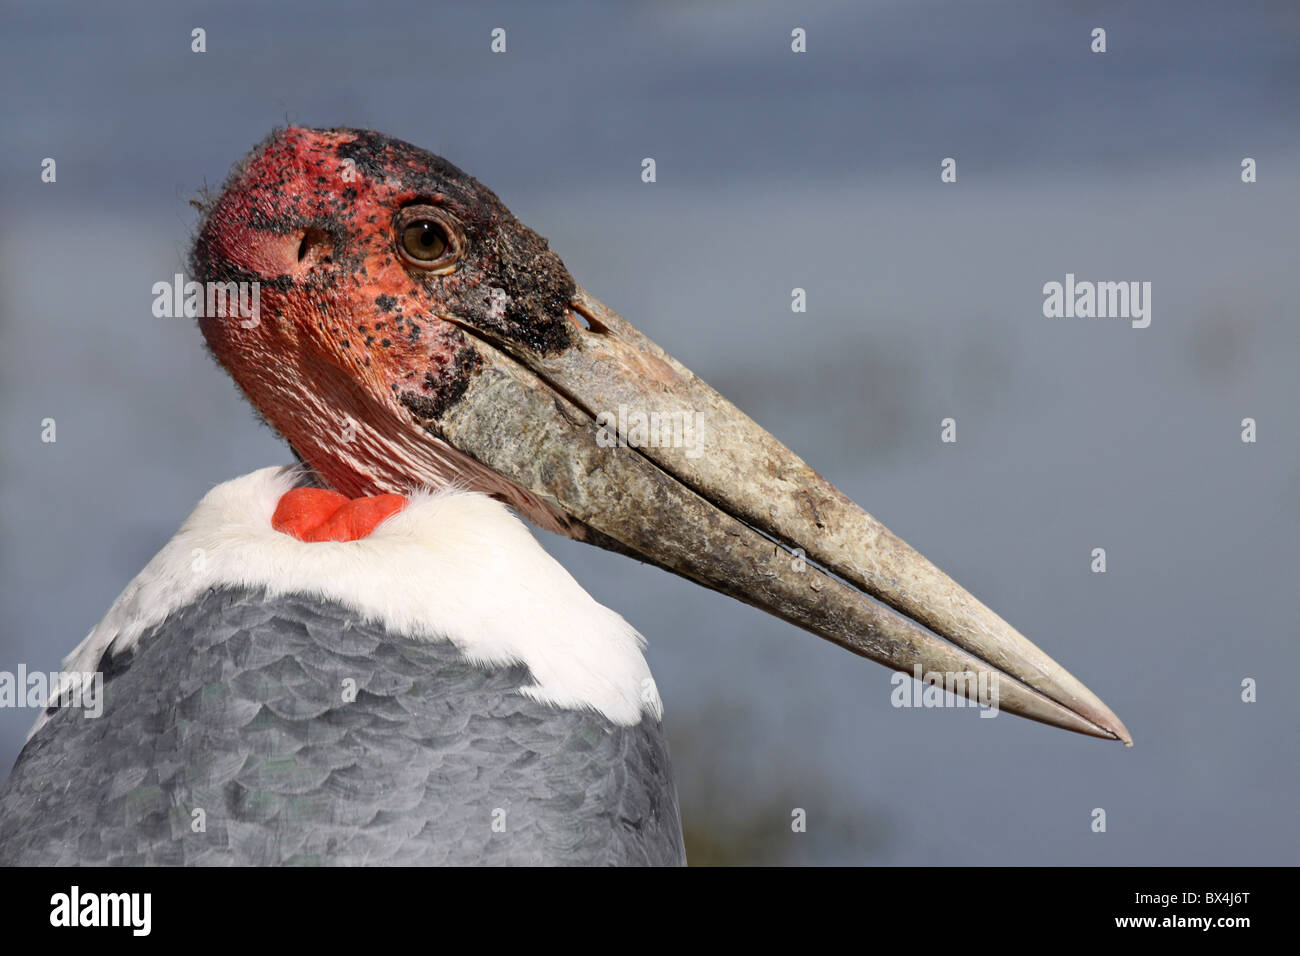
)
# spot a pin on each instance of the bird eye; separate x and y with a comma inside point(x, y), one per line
point(427, 238)
point(424, 240)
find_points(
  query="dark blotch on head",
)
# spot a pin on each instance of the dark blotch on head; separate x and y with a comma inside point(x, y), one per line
point(441, 393)
point(501, 252)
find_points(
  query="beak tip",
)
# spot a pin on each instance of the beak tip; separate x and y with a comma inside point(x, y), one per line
point(1113, 726)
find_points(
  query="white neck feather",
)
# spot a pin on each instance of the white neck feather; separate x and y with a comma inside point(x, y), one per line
point(453, 565)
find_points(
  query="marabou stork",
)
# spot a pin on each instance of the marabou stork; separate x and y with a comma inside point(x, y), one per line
point(321, 671)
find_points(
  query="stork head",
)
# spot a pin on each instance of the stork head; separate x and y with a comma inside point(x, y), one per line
point(410, 332)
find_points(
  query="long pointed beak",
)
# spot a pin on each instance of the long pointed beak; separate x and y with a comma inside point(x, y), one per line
point(654, 463)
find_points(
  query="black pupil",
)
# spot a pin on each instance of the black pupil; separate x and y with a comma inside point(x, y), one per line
point(425, 240)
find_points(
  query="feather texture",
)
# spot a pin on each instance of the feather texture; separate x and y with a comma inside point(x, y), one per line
point(248, 729)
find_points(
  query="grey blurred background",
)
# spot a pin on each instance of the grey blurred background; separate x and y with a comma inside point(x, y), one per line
point(775, 170)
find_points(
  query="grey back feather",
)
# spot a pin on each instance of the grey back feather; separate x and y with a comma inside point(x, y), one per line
point(229, 736)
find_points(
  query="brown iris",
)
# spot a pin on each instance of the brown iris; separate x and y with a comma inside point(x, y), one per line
point(424, 240)
point(428, 238)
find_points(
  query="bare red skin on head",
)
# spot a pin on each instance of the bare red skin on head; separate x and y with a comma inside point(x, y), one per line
point(323, 354)
point(354, 356)
point(317, 514)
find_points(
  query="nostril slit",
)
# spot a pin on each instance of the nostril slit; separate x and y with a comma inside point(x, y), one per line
point(311, 240)
point(584, 321)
